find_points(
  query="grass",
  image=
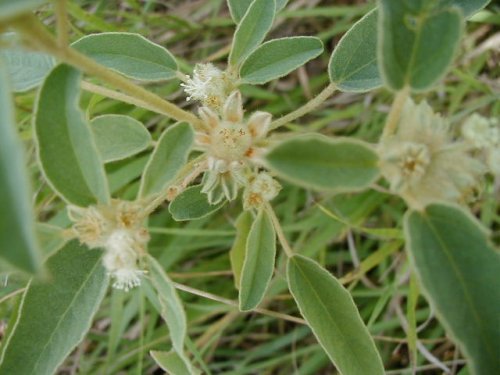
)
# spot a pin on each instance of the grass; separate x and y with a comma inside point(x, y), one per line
point(329, 229)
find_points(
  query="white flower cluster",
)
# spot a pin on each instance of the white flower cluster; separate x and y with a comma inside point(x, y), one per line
point(260, 189)
point(484, 135)
point(423, 163)
point(118, 230)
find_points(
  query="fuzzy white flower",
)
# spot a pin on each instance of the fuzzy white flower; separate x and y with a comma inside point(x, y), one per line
point(481, 132)
point(423, 164)
point(231, 145)
point(260, 189)
point(208, 85)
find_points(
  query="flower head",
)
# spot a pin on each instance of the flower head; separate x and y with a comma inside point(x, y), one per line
point(118, 230)
point(261, 188)
point(232, 145)
point(422, 162)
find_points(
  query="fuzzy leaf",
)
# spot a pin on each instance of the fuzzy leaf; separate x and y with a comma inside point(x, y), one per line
point(167, 159)
point(318, 162)
point(238, 8)
point(66, 147)
point(278, 57)
point(333, 317)
point(469, 7)
point(238, 251)
point(119, 137)
point(172, 363)
point(192, 204)
point(17, 230)
point(353, 65)
point(252, 30)
point(458, 269)
point(56, 314)
point(13, 8)
point(417, 42)
point(258, 266)
point(129, 54)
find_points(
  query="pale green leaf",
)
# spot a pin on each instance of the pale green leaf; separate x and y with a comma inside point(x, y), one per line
point(13, 8)
point(318, 162)
point(238, 250)
point(418, 42)
point(238, 8)
point(468, 7)
point(26, 69)
point(333, 317)
point(118, 137)
point(252, 30)
point(55, 315)
point(17, 231)
point(66, 147)
point(353, 65)
point(258, 266)
point(129, 54)
point(278, 57)
point(172, 363)
point(167, 159)
point(192, 204)
point(171, 305)
point(458, 270)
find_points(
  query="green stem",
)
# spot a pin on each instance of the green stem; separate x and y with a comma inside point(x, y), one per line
point(306, 108)
point(395, 113)
point(39, 38)
point(279, 231)
point(62, 24)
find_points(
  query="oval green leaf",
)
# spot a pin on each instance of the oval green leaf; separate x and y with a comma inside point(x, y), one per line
point(458, 269)
point(17, 229)
point(170, 154)
point(171, 305)
point(278, 57)
point(353, 66)
point(57, 314)
point(172, 363)
point(13, 8)
point(318, 162)
point(469, 7)
point(118, 137)
point(258, 266)
point(417, 44)
point(26, 69)
point(252, 30)
point(333, 317)
point(238, 8)
point(239, 249)
point(66, 146)
point(192, 204)
point(129, 54)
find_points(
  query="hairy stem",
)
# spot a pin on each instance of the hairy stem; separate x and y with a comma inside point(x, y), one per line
point(39, 38)
point(62, 24)
point(279, 231)
point(395, 113)
point(306, 108)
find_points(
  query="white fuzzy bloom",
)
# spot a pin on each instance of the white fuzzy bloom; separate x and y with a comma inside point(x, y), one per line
point(481, 132)
point(262, 188)
point(493, 160)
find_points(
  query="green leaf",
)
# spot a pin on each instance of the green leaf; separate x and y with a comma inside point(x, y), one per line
point(239, 249)
point(170, 362)
point(278, 57)
point(417, 42)
point(26, 69)
point(252, 30)
point(66, 147)
point(469, 7)
point(353, 65)
point(458, 269)
point(13, 8)
point(17, 230)
point(258, 266)
point(318, 162)
point(167, 159)
point(238, 8)
point(192, 204)
point(333, 317)
point(119, 137)
point(129, 54)
point(171, 305)
point(55, 316)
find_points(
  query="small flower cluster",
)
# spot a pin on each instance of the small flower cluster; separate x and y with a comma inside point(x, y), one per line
point(423, 163)
point(484, 136)
point(118, 230)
